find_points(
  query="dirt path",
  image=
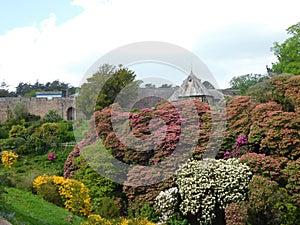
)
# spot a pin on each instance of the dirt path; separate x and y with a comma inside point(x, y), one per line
point(4, 222)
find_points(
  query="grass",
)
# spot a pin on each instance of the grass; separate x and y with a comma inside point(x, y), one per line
point(29, 167)
point(21, 207)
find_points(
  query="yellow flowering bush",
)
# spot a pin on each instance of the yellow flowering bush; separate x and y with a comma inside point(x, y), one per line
point(136, 221)
point(94, 219)
point(9, 158)
point(74, 193)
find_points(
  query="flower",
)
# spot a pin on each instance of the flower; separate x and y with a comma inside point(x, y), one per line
point(9, 158)
point(51, 156)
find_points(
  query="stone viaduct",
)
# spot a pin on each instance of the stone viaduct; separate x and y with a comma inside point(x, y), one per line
point(39, 106)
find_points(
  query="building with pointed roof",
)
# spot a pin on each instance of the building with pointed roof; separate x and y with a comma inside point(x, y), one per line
point(193, 88)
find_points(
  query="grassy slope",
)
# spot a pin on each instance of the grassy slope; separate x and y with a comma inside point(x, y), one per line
point(22, 207)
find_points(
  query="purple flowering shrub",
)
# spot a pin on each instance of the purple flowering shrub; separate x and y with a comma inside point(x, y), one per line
point(240, 148)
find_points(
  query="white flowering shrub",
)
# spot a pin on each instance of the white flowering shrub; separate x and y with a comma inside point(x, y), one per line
point(210, 185)
point(166, 203)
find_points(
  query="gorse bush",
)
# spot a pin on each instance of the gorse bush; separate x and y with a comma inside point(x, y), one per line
point(74, 194)
point(207, 187)
point(8, 158)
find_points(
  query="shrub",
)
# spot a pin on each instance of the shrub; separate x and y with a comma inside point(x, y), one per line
point(106, 207)
point(94, 219)
point(50, 193)
point(74, 194)
point(267, 166)
point(236, 213)
point(240, 148)
point(207, 187)
point(52, 117)
point(8, 158)
point(268, 204)
point(145, 210)
point(292, 174)
point(166, 204)
point(238, 120)
point(17, 131)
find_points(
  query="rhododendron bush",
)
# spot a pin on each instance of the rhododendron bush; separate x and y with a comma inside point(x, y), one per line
point(263, 135)
point(207, 187)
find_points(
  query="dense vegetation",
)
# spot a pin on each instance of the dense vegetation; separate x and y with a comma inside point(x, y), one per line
point(253, 180)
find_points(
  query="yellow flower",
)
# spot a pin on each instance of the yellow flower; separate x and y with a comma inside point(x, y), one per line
point(74, 193)
point(9, 158)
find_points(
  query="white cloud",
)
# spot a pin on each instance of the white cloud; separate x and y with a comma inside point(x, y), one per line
point(47, 51)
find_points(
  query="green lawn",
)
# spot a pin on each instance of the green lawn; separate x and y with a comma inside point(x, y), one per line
point(21, 207)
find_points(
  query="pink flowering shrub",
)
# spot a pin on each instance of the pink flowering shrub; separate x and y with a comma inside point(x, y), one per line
point(241, 147)
point(236, 213)
point(293, 92)
point(267, 166)
point(238, 120)
point(275, 132)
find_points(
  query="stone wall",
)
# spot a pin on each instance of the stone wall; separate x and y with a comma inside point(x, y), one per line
point(39, 106)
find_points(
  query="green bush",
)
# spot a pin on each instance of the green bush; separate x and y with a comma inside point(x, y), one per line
point(52, 117)
point(269, 204)
point(12, 143)
point(107, 208)
point(144, 210)
point(49, 192)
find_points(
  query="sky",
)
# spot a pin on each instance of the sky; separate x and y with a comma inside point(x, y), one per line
point(61, 39)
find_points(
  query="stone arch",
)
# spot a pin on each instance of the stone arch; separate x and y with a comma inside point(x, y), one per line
point(70, 113)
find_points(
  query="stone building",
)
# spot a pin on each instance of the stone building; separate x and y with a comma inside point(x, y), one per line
point(65, 107)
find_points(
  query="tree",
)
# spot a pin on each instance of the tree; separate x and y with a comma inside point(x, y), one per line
point(104, 87)
point(4, 90)
point(166, 86)
point(244, 82)
point(150, 85)
point(288, 53)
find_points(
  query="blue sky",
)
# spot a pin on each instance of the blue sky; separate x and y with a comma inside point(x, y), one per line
point(20, 13)
point(47, 40)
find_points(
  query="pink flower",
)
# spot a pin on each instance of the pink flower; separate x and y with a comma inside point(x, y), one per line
point(51, 156)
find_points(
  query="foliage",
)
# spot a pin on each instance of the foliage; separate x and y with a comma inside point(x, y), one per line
point(17, 131)
point(166, 204)
point(236, 213)
point(102, 190)
point(269, 204)
point(205, 187)
point(52, 117)
point(288, 52)
point(244, 82)
point(5, 181)
point(275, 132)
point(279, 85)
point(267, 166)
point(238, 120)
point(20, 111)
point(29, 90)
point(145, 210)
point(292, 176)
point(51, 156)
point(74, 193)
point(95, 219)
point(8, 158)
point(103, 87)
point(45, 138)
point(240, 148)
